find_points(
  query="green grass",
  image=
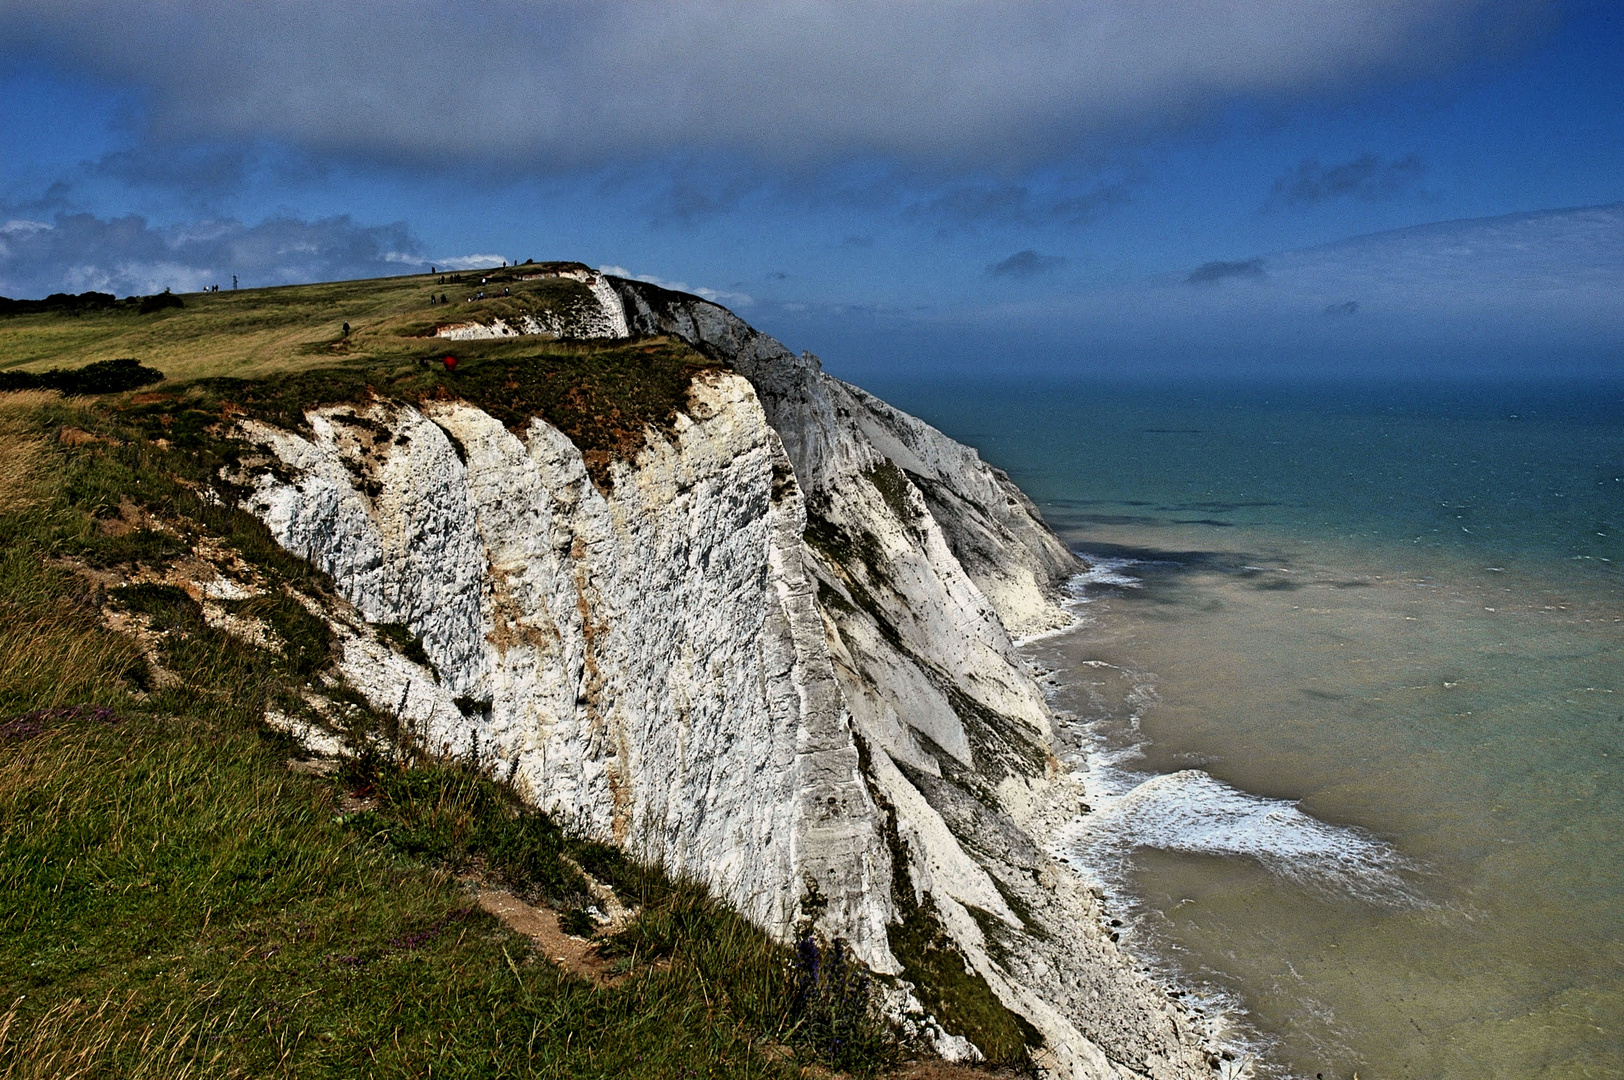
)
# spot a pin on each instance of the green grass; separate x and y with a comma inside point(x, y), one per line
point(228, 333)
point(173, 864)
point(958, 997)
point(955, 993)
point(254, 332)
point(180, 903)
point(604, 397)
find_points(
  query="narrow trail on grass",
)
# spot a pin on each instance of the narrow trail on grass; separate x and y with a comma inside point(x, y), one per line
point(539, 923)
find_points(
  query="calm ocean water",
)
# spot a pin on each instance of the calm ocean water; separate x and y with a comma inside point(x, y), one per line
point(1349, 693)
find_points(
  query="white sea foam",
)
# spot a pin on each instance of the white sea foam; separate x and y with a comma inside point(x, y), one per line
point(1102, 571)
point(1195, 813)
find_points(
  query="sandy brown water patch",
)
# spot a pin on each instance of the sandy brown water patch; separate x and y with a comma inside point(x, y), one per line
point(1457, 711)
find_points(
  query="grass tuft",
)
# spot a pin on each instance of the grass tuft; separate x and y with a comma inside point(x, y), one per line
point(832, 1008)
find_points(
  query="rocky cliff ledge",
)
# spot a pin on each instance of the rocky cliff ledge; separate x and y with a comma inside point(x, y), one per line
point(770, 648)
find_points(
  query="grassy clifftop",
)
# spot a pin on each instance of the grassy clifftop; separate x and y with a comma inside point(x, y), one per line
point(277, 352)
point(188, 894)
point(255, 332)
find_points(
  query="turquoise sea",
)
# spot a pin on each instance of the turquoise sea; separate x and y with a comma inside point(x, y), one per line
point(1348, 685)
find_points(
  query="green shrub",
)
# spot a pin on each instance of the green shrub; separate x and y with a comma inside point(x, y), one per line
point(101, 377)
point(160, 301)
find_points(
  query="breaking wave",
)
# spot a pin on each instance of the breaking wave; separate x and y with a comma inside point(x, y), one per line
point(1102, 571)
point(1194, 813)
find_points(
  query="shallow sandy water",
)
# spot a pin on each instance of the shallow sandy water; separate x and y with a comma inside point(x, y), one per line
point(1385, 802)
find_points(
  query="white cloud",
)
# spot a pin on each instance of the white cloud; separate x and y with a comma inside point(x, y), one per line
point(557, 83)
point(715, 296)
point(467, 262)
point(138, 278)
point(78, 252)
point(722, 296)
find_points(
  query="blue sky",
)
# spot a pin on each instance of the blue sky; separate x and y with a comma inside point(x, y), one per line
point(897, 187)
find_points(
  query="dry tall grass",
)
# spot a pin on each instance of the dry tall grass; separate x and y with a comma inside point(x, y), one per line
point(75, 1039)
point(22, 450)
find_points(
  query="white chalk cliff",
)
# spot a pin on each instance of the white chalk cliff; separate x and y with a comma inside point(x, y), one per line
point(774, 652)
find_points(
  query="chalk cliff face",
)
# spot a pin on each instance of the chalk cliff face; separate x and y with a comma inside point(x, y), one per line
point(647, 663)
point(775, 652)
point(833, 430)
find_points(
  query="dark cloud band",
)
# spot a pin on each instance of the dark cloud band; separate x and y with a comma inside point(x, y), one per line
point(1367, 177)
point(557, 84)
point(1207, 273)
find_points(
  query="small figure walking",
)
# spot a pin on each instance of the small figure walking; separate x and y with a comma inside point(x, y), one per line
point(233, 282)
point(346, 329)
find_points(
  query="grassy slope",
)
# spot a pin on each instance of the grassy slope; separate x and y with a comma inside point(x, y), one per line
point(177, 901)
point(255, 332)
point(246, 333)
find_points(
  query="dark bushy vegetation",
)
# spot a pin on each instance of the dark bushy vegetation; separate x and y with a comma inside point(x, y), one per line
point(605, 398)
point(101, 377)
point(79, 303)
point(69, 303)
point(405, 642)
point(160, 301)
point(832, 1008)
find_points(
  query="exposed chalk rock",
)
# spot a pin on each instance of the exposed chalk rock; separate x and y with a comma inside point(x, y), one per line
point(833, 429)
point(496, 328)
point(648, 664)
point(928, 561)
